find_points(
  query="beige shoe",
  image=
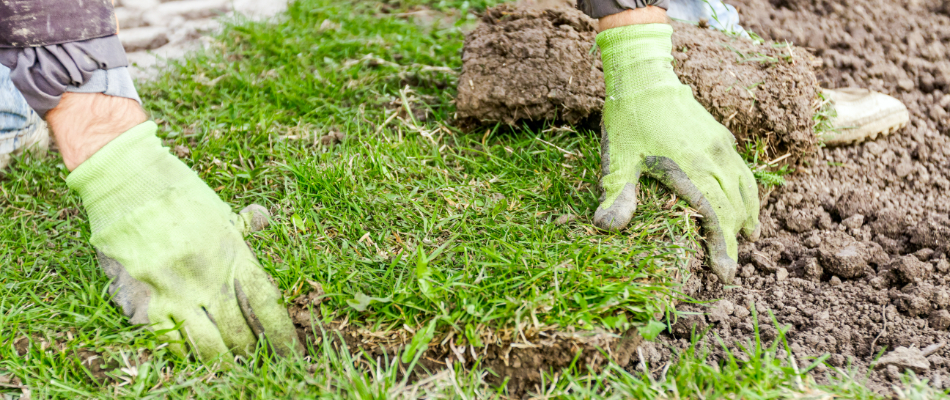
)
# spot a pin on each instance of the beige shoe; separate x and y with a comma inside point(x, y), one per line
point(33, 140)
point(863, 115)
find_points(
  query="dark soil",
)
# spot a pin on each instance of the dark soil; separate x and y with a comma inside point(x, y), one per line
point(855, 251)
point(765, 92)
point(534, 63)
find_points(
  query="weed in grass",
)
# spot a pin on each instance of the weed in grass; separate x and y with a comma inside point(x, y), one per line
point(824, 117)
point(768, 173)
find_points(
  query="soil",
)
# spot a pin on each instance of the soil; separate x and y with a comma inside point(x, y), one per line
point(534, 63)
point(762, 92)
point(854, 258)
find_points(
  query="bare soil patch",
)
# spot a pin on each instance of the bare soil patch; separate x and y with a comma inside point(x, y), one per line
point(530, 64)
point(855, 251)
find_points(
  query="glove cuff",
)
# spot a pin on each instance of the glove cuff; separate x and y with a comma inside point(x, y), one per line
point(126, 173)
point(637, 57)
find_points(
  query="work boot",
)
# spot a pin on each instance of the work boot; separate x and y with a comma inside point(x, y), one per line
point(863, 115)
point(33, 139)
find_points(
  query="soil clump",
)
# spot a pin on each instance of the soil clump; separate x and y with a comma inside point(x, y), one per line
point(532, 63)
point(765, 93)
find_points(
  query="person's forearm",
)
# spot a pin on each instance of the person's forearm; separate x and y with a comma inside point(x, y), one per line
point(645, 15)
point(84, 122)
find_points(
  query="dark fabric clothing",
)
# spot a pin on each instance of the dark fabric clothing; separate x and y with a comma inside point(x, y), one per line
point(43, 73)
point(603, 8)
point(50, 45)
point(32, 23)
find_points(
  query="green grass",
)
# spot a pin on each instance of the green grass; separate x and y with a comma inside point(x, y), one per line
point(438, 223)
point(824, 117)
point(407, 222)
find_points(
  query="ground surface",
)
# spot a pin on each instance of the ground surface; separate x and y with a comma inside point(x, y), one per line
point(336, 118)
point(861, 231)
point(855, 248)
point(390, 223)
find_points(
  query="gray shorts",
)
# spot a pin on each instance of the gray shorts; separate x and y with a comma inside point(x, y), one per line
point(58, 46)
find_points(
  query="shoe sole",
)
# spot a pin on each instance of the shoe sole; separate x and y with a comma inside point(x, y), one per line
point(871, 131)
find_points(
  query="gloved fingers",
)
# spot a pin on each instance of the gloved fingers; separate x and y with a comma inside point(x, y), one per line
point(720, 237)
point(730, 184)
point(751, 229)
point(203, 337)
point(619, 183)
point(614, 216)
point(232, 327)
point(259, 300)
point(252, 218)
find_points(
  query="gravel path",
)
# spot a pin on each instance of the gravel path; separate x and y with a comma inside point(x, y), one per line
point(156, 30)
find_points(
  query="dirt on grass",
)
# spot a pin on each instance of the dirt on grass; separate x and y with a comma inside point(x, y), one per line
point(534, 63)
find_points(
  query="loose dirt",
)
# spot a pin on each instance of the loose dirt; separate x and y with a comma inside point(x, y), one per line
point(855, 251)
point(535, 63)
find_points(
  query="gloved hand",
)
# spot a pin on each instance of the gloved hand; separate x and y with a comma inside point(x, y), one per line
point(176, 252)
point(653, 125)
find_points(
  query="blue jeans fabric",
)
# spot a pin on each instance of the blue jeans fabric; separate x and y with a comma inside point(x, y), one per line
point(14, 113)
point(721, 16)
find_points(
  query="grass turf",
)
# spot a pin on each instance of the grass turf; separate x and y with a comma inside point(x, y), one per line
point(406, 223)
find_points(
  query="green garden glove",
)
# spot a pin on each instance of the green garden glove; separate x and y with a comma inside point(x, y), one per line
point(176, 252)
point(653, 125)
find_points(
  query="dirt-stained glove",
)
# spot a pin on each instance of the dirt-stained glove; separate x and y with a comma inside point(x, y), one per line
point(653, 125)
point(176, 252)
